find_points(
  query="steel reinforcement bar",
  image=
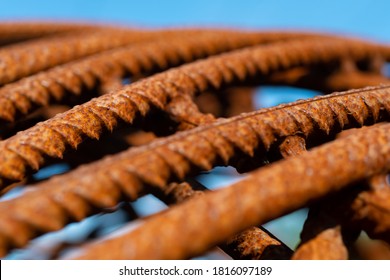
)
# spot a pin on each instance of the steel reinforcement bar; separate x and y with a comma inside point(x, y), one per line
point(62, 199)
point(27, 151)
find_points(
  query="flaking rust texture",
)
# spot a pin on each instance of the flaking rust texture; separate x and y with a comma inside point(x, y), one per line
point(192, 117)
point(266, 194)
point(27, 151)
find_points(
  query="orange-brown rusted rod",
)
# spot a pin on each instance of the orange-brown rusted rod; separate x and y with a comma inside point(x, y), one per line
point(21, 97)
point(334, 224)
point(266, 194)
point(174, 158)
point(12, 31)
point(28, 150)
point(254, 243)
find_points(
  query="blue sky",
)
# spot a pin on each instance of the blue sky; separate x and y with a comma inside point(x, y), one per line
point(364, 18)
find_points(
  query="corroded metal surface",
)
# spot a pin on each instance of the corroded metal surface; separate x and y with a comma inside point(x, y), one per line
point(266, 194)
point(177, 157)
point(69, 64)
point(256, 244)
point(28, 150)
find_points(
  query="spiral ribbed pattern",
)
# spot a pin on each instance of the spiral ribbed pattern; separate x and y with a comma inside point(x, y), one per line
point(64, 64)
point(73, 196)
point(27, 150)
point(267, 193)
point(21, 97)
point(31, 57)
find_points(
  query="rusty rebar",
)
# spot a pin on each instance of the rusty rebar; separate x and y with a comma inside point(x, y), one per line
point(12, 31)
point(175, 157)
point(268, 193)
point(28, 150)
point(254, 243)
point(321, 236)
point(257, 243)
point(124, 180)
point(26, 58)
point(30, 57)
point(335, 223)
point(327, 245)
point(54, 85)
point(327, 234)
point(371, 208)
